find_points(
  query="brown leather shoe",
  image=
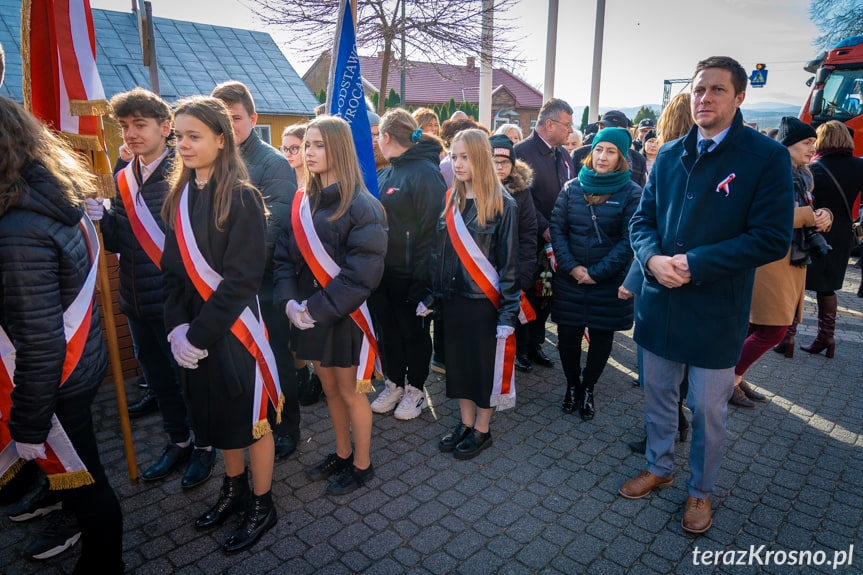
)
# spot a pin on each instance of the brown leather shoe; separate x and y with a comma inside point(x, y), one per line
point(749, 392)
point(644, 483)
point(739, 399)
point(696, 518)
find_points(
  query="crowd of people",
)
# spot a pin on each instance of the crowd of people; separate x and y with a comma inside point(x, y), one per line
point(254, 281)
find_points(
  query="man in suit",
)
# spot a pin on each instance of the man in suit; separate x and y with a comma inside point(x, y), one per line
point(719, 203)
point(552, 168)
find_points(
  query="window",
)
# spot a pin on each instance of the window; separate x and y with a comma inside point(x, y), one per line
point(532, 124)
point(263, 131)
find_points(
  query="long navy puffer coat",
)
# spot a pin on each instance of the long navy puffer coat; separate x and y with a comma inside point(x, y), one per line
point(596, 237)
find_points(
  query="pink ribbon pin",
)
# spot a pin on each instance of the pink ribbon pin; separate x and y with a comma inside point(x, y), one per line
point(723, 185)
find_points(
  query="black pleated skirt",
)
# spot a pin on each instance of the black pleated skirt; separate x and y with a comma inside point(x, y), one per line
point(470, 329)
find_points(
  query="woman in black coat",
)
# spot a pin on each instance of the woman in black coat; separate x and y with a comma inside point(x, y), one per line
point(838, 179)
point(45, 258)
point(336, 229)
point(590, 235)
point(213, 213)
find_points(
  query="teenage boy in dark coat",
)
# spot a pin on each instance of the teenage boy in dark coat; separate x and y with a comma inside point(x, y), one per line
point(719, 204)
point(273, 176)
point(552, 167)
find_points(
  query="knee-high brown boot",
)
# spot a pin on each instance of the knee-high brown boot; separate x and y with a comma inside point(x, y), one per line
point(786, 346)
point(826, 326)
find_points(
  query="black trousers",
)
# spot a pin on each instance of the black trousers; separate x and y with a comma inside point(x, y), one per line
point(535, 335)
point(598, 352)
point(403, 338)
point(95, 506)
point(279, 330)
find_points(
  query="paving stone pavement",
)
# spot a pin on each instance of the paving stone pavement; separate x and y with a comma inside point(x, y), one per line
point(542, 499)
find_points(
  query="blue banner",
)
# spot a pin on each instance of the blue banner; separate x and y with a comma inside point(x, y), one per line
point(348, 99)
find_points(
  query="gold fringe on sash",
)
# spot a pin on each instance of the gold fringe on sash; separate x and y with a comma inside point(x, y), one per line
point(82, 142)
point(364, 386)
point(106, 186)
point(12, 472)
point(89, 108)
point(261, 428)
point(280, 408)
point(70, 480)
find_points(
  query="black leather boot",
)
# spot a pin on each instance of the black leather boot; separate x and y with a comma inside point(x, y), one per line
point(260, 518)
point(683, 427)
point(585, 408)
point(569, 399)
point(233, 497)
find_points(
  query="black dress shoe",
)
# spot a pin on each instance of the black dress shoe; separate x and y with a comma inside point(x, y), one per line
point(309, 391)
point(522, 363)
point(471, 445)
point(331, 465)
point(538, 357)
point(568, 405)
point(200, 467)
point(350, 479)
point(260, 518)
point(145, 406)
point(233, 497)
point(448, 442)
point(172, 455)
point(285, 445)
point(585, 410)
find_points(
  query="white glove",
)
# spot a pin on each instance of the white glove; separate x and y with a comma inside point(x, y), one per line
point(299, 315)
point(95, 208)
point(185, 354)
point(504, 331)
point(30, 451)
point(422, 310)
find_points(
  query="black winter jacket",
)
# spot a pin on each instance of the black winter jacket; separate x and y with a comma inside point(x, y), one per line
point(602, 246)
point(498, 241)
point(274, 177)
point(518, 184)
point(552, 168)
point(412, 191)
point(637, 163)
point(140, 278)
point(357, 242)
point(44, 261)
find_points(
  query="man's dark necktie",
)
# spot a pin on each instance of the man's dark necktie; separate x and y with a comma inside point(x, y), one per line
point(704, 145)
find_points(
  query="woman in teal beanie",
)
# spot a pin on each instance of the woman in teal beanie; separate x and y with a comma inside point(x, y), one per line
point(590, 235)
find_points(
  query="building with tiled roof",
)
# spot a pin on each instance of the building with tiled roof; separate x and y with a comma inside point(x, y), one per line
point(513, 100)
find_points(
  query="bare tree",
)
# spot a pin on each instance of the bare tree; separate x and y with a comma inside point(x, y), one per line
point(837, 19)
point(442, 31)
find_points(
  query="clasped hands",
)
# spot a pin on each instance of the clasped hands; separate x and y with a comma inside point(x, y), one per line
point(670, 271)
point(581, 276)
point(823, 220)
point(185, 354)
point(298, 313)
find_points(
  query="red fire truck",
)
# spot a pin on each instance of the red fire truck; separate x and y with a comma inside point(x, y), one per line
point(837, 90)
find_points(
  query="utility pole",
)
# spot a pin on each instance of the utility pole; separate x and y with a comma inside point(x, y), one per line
point(593, 116)
point(550, 50)
point(485, 63)
point(402, 101)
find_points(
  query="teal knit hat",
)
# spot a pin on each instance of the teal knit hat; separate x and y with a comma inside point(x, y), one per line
point(620, 137)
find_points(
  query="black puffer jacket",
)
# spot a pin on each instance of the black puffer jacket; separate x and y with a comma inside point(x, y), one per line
point(412, 193)
point(44, 261)
point(270, 172)
point(602, 246)
point(140, 278)
point(517, 184)
point(498, 241)
point(357, 242)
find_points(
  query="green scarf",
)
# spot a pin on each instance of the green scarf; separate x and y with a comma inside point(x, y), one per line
point(611, 183)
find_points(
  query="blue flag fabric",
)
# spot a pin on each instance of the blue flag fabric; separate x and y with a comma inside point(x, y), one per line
point(348, 100)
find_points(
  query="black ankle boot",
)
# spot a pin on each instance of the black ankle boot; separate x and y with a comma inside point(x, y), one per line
point(260, 517)
point(232, 498)
point(585, 410)
point(683, 427)
point(569, 399)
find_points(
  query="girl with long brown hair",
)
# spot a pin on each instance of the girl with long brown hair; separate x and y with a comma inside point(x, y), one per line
point(479, 309)
point(328, 259)
point(212, 268)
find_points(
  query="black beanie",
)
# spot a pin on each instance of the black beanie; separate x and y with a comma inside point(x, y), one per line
point(501, 145)
point(792, 130)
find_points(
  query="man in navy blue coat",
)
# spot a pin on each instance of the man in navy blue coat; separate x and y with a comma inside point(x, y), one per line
point(718, 204)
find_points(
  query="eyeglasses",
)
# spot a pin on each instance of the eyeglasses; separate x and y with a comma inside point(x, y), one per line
point(500, 163)
point(290, 150)
point(568, 125)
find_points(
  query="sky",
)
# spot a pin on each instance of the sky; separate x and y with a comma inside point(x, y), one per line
point(645, 42)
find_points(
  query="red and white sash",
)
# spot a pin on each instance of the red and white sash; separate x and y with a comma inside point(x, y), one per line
point(248, 329)
point(324, 268)
point(487, 278)
point(144, 226)
point(64, 468)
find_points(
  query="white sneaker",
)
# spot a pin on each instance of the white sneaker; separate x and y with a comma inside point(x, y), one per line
point(411, 404)
point(388, 398)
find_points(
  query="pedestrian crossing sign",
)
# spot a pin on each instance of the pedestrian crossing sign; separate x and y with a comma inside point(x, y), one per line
point(759, 76)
